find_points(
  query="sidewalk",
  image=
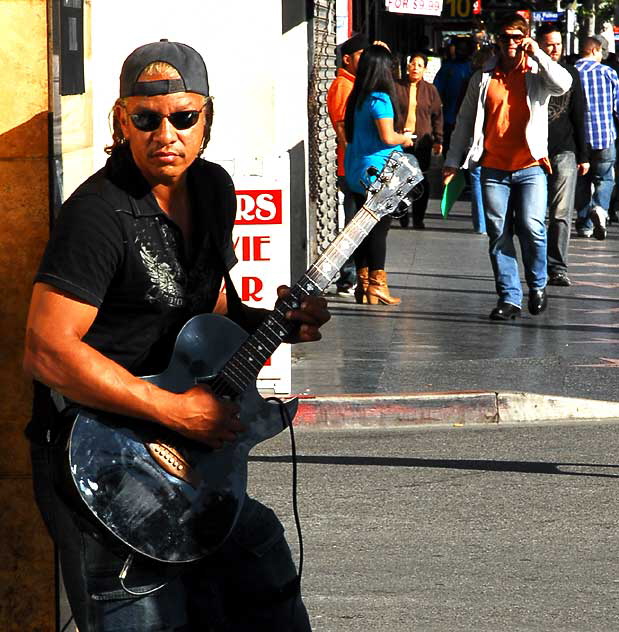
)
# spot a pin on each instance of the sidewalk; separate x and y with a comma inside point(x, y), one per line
point(437, 358)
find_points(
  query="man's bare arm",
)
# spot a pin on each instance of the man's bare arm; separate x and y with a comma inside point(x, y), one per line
point(340, 133)
point(56, 355)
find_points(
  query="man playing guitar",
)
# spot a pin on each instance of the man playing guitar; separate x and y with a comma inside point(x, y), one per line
point(139, 248)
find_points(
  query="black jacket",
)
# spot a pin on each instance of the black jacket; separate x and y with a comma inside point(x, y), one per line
point(566, 120)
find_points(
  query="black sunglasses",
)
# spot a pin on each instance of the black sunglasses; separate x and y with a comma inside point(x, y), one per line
point(505, 37)
point(149, 121)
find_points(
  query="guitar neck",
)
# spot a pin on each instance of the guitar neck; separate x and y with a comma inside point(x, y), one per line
point(243, 367)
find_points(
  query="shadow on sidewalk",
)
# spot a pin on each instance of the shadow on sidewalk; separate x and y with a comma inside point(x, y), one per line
point(477, 319)
point(480, 465)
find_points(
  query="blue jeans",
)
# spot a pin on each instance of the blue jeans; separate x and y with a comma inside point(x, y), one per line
point(602, 176)
point(477, 202)
point(515, 202)
point(561, 191)
point(249, 584)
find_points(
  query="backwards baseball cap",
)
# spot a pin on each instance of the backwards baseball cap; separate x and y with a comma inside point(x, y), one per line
point(187, 61)
point(355, 43)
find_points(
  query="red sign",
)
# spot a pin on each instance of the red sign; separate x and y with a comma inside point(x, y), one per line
point(477, 7)
point(259, 207)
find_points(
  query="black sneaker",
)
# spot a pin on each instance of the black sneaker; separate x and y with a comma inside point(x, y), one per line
point(582, 230)
point(599, 217)
point(505, 311)
point(538, 301)
point(559, 278)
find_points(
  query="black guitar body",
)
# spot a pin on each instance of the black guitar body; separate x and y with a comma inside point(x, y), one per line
point(176, 501)
point(166, 497)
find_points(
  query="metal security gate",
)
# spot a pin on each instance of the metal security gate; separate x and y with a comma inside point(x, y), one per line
point(323, 198)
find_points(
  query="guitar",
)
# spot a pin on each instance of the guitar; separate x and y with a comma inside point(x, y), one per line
point(174, 500)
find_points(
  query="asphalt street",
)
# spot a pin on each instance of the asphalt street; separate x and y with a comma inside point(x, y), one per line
point(475, 528)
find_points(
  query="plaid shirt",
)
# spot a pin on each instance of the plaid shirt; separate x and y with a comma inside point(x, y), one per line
point(601, 86)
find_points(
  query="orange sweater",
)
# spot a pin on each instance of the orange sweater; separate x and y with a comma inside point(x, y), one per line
point(337, 97)
point(507, 115)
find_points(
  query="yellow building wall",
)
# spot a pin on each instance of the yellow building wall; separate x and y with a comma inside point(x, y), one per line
point(26, 558)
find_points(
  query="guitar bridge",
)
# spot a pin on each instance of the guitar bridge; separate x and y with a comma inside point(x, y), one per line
point(172, 461)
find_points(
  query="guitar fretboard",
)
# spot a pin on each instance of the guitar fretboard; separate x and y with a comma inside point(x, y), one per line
point(243, 367)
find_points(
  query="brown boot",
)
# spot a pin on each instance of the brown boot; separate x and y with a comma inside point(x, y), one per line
point(378, 291)
point(362, 285)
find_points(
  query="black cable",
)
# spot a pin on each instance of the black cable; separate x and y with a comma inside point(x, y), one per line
point(66, 625)
point(287, 421)
point(136, 593)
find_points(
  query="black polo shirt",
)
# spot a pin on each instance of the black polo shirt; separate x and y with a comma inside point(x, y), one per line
point(114, 248)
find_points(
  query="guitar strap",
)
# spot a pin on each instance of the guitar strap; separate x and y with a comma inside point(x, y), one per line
point(59, 400)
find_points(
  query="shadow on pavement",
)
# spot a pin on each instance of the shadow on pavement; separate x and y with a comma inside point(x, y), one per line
point(483, 465)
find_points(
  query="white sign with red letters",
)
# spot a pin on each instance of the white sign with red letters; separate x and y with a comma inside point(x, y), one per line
point(415, 7)
point(262, 245)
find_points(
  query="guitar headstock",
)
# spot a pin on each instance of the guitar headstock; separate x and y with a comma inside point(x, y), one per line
point(399, 175)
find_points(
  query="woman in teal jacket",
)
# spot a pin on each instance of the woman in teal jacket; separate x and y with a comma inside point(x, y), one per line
point(372, 123)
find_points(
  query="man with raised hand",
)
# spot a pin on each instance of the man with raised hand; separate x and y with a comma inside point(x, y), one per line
point(505, 113)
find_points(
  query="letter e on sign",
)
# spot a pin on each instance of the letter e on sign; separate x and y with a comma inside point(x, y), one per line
point(259, 207)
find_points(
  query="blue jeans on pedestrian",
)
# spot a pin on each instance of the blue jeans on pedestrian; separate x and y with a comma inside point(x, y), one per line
point(477, 202)
point(250, 584)
point(561, 192)
point(515, 202)
point(602, 176)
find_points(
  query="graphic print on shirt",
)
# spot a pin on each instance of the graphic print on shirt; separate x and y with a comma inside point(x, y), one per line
point(166, 275)
point(558, 106)
point(202, 281)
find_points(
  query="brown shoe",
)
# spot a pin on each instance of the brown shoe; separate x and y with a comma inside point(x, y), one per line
point(378, 291)
point(362, 285)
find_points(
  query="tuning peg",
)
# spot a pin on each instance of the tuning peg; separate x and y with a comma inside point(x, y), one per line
point(371, 172)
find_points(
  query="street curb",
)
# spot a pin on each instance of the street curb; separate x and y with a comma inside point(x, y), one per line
point(453, 408)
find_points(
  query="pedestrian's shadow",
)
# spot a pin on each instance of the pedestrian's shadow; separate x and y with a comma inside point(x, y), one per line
point(481, 465)
point(525, 323)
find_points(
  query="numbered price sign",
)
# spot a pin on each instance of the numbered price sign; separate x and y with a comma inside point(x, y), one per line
point(461, 8)
point(415, 7)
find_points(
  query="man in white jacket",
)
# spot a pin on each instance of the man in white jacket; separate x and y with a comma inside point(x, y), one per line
point(503, 126)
